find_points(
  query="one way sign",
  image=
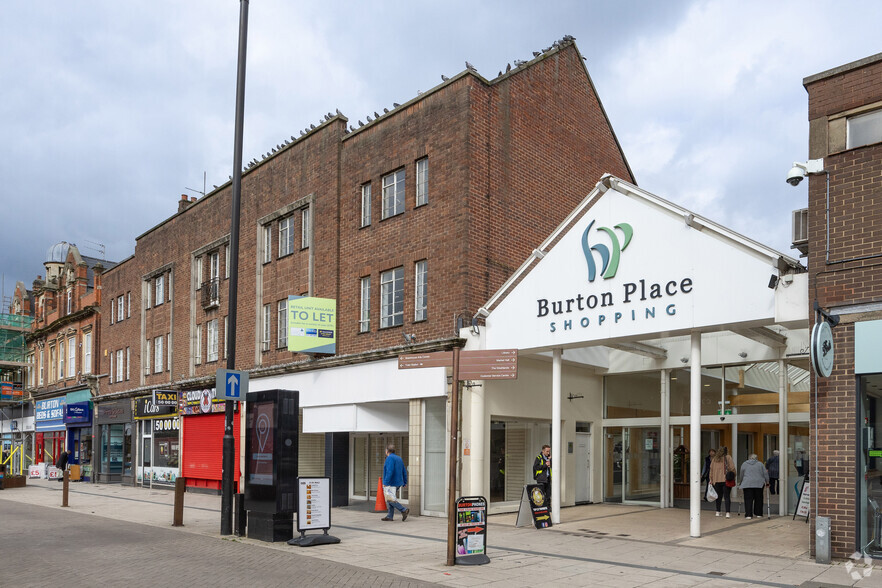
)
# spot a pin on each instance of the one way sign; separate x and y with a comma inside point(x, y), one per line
point(231, 384)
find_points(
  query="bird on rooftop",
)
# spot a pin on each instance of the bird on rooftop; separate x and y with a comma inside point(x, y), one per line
point(361, 124)
point(444, 78)
point(385, 111)
point(395, 105)
point(470, 67)
point(311, 127)
point(507, 67)
point(376, 115)
point(537, 53)
point(519, 62)
point(369, 119)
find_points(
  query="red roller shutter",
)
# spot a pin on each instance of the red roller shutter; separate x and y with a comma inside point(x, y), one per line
point(203, 450)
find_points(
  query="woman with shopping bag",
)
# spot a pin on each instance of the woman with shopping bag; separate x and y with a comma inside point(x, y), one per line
point(720, 466)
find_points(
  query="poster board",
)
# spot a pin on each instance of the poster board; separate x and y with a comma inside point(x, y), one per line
point(471, 531)
point(313, 504)
point(803, 507)
point(312, 324)
point(535, 506)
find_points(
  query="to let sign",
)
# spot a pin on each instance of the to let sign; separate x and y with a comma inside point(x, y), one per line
point(492, 364)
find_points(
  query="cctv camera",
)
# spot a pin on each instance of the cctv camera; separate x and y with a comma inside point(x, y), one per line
point(795, 175)
point(722, 418)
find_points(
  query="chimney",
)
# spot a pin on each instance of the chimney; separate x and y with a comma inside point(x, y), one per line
point(184, 202)
point(98, 270)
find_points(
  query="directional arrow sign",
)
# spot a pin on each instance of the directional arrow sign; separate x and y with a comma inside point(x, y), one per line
point(231, 384)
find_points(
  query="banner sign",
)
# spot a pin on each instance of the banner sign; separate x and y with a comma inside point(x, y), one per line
point(201, 402)
point(471, 530)
point(536, 505)
point(49, 415)
point(312, 324)
point(313, 503)
point(10, 391)
point(117, 411)
point(78, 414)
point(146, 409)
point(165, 397)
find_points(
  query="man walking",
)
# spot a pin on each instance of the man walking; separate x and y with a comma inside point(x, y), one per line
point(542, 471)
point(394, 478)
point(772, 466)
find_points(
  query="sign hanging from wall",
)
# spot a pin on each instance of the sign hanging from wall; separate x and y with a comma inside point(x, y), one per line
point(822, 349)
point(312, 324)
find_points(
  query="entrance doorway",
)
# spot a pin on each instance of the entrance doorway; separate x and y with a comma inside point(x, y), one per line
point(583, 465)
point(633, 460)
point(368, 452)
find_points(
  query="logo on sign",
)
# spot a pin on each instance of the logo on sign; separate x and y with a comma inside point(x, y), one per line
point(609, 255)
point(205, 401)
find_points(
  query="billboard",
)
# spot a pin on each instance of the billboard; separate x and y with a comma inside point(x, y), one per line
point(312, 325)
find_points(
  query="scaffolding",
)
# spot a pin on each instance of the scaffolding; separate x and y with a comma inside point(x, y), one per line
point(13, 347)
point(13, 364)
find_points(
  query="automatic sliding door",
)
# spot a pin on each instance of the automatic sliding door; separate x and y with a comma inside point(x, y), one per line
point(641, 465)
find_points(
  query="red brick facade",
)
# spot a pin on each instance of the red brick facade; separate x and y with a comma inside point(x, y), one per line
point(847, 273)
point(507, 161)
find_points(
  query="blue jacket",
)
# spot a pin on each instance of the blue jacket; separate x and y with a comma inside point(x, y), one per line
point(394, 472)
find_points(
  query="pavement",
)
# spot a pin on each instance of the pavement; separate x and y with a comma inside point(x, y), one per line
point(594, 545)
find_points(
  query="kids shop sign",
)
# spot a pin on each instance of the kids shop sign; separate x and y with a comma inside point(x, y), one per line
point(633, 264)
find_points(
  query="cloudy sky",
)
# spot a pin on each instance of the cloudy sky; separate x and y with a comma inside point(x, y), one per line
point(110, 110)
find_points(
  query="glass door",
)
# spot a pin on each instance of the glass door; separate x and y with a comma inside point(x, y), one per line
point(614, 449)
point(641, 480)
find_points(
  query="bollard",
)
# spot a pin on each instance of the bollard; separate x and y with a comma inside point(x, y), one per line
point(241, 520)
point(180, 488)
point(64, 488)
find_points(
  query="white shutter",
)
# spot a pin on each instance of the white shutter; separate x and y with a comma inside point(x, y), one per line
point(516, 459)
point(310, 453)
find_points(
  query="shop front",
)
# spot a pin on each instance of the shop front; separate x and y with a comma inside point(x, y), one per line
point(114, 433)
point(51, 432)
point(158, 443)
point(202, 423)
point(78, 420)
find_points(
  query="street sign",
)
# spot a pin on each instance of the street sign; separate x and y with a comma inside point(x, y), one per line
point(231, 384)
point(425, 360)
point(491, 364)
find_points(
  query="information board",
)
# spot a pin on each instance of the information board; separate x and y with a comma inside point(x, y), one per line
point(313, 503)
point(535, 505)
point(803, 508)
point(312, 325)
point(471, 530)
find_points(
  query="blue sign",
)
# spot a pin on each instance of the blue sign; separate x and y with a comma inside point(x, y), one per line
point(231, 384)
point(79, 413)
point(49, 415)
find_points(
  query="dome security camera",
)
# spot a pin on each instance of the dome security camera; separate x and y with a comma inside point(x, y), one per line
point(795, 175)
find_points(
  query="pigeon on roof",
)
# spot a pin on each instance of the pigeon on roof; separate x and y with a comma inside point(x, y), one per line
point(507, 67)
point(311, 127)
point(385, 111)
point(470, 67)
point(537, 53)
point(369, 119)
point(395, 105)
point(519, 62)
point(444, 78)
point(376, 115)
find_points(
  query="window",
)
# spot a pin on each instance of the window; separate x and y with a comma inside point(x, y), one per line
point(168, 347)
point(120, 309)
point(50, 373)
point(120, 366)
point(31, 370)
point(61, 359)
point(211, 353)
point(147, 300)
point(286, 236)
point(422, 181)
point(393, 194)
point(282, 324)
point(40, 376)
point(267, 244)
point(198, 273)
point(197, 352)
point(128, 363)
point(111, 310)
point(146, 358)
point(304, 228)
point(227, 262)
point(392, 298)
point(864, 129)
point(157, 355)
point(226, 333)
point(160, 290)
point(265, 338)
point(420, 296)
point(110, 371)
point(213, 266)
point(87, 353)
point(365, 204)
point(69, 301)
point(128, 304)
point(71, 357)
point(364, 322)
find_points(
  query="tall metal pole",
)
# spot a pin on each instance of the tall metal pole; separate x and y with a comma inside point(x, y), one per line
point(229, 442)
point(451, 480)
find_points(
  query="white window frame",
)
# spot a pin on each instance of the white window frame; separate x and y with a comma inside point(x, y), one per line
point(265, 329)
point(112, 306)
point(267, 243)
point(197, 352)
point(50, 373)
point(110, 379)
point(69, 301)
point(87, 352)
point(147, 358)
point(160, 290)
point(227, 261)
point(393, 193)
point(211, 340)
point(286, 236)
point(149, 295)
point(168, 352)
point(214, 266)
point(120, 309)
point(226, 333)
point(366, 204)
point(157, 355)
point(42, 367)
point(31, 371)
point(120, 365)
point(392, 298)
point(868, 124)
point(128, 363)
point(282, 324)
point(198, 272)
point(364, 322)
point(422, 181)
point(128, 304)
point(304, 228)
point(420, 290)
point(71, 357)
point(61, 358)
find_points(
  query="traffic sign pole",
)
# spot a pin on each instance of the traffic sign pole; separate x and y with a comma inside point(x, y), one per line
point(451, 466)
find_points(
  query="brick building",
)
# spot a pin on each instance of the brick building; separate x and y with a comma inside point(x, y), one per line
point(410, 222)
point(845, 269)
point(63, 349)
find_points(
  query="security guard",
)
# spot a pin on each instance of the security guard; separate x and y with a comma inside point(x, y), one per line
point(542, 471)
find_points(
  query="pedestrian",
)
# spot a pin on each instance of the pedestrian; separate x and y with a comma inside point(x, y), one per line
point(721, 465)
point(61, 464)
point(705, 472)
point(394, 479)
point(542, 472)
point(772, 467)
point(754, 479)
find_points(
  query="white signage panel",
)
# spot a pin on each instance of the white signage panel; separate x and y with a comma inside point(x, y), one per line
point(313, 503)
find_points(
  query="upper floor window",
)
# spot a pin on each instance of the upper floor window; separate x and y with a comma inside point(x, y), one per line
point(197, 345)
point(211, 354)
point(198, 272)
point(393, 193)
point(365, 204)
point(87, 353)
point(282, 324)
point(364, 319)
point(69, 301)
point(119, 309)
point(157, 355)
point(267, 244)
point(128, 304)
point(160, 290)
point(112, 314)
point(420, 301)
point(40, 372)
point(71, 357)
point(226, 332)
point(286, 236)
point(392, 298)
point(120, 365)
point(30, 370)
point(149, 293)
point(227, 262)
point(128, 363)
point(422, 181)
point(61, 359)
point(265, 335)
point(304, 228)
point(864, 129)
point(146, 358)
point(213, 266)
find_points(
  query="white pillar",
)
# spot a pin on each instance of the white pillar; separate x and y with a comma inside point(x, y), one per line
point(477, 472)
point(695, 438)
point(664, 439)
point(558, 455)
point(783, 381)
